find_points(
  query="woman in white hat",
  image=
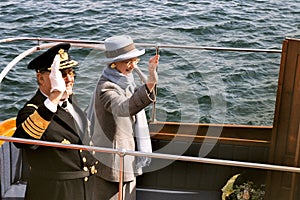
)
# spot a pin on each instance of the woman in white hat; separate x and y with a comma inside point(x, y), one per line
point(118, 117)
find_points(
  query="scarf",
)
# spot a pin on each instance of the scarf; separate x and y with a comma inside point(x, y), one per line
point(141, 129)
point(125, 82)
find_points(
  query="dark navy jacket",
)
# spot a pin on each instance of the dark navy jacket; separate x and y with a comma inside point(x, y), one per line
point(56, 173)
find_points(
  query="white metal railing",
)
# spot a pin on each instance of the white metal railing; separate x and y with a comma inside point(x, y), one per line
point(123, 152)
point(17, 59)
point(93, 42)
point(99, 45)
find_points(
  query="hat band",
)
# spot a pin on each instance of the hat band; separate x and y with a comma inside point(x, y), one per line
point(64, 65)
point(123, 50)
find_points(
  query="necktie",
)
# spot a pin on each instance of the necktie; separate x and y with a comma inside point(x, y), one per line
point(69, 108)
point(64, 104)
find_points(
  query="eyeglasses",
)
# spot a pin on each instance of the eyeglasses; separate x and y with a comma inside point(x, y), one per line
point(132, 62)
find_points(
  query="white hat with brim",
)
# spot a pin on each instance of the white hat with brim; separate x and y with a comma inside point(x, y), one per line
point(119, 48)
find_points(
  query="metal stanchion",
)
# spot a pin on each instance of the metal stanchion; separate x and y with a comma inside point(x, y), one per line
point(121, 153)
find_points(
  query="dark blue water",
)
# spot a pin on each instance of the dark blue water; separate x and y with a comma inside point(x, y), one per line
point(195, 85)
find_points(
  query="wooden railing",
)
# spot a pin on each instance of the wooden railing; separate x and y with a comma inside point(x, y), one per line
point(228, 134)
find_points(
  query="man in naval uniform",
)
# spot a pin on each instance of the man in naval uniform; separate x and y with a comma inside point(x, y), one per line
point(52, 114)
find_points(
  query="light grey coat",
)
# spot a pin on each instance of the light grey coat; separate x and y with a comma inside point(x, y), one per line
point(115, 109)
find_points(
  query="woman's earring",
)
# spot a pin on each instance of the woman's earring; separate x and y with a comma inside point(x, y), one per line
point(113, 65)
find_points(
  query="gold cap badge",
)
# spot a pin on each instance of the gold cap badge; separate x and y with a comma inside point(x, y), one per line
point(63, 55)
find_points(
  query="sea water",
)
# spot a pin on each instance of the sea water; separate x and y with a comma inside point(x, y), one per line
point(203, 86)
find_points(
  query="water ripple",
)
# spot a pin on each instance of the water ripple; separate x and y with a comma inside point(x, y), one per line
point(193, 85)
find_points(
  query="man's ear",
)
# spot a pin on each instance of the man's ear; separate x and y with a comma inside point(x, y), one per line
point(40, 78)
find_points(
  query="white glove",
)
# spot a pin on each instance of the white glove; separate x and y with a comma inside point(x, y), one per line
point(56, 79)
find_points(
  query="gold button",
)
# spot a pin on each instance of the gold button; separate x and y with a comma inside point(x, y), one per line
point(96, 163)
point(65, 141)
point(84, 159)
point(86, 179)
point(85, 169)
point(80, 150)
point(93, 170)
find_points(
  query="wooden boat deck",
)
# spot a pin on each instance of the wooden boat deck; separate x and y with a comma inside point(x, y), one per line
point(195, 180)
